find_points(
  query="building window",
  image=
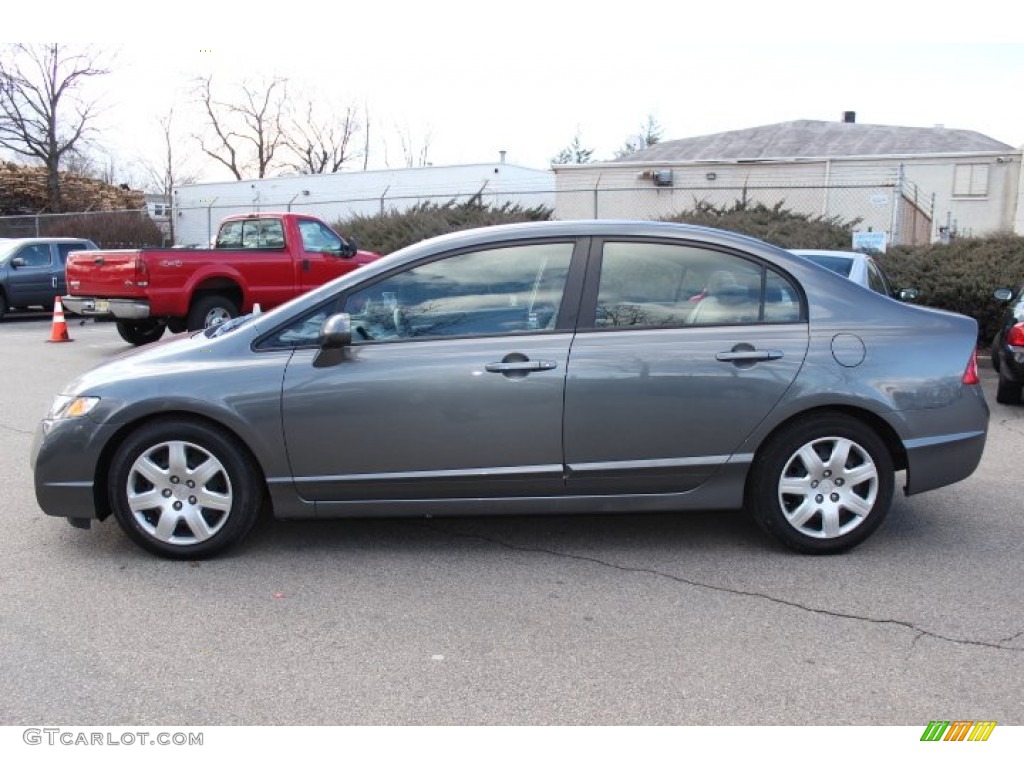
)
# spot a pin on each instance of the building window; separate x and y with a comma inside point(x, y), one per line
point(970, 180)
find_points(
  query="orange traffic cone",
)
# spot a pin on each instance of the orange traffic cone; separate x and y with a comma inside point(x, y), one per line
point(59, 329)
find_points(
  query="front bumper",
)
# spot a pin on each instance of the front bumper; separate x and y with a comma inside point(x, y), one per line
point(65, 458)
point(120, 309)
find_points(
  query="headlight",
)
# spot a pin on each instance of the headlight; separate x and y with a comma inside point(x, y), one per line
point(68, 407)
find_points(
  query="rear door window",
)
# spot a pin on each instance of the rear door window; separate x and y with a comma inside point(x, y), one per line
point(656, 285)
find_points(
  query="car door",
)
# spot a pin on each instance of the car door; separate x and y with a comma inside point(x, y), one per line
point(453, 385)
point(30, 282)
point(321, 254)
point(688, 349)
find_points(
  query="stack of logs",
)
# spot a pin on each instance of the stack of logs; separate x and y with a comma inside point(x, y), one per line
point(23, 191)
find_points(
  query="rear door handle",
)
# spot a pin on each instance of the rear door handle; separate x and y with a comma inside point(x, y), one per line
point(523, 365)
point(749, 355)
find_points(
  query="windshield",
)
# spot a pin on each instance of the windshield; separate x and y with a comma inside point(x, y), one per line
point(841, 265)
point(6, 249)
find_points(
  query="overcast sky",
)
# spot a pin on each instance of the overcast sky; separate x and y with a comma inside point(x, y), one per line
point(472, 79)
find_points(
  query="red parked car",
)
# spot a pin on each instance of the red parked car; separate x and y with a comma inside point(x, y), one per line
point(260, 258)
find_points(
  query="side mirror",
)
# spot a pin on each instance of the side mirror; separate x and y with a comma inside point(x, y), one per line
point(1003, 294)
point(908, 294)
point(17, 261)
point(336, 332)
point(353, 247)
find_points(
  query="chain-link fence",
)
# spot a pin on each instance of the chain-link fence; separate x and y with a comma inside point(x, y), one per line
point(132, 228)
point(884, 202)
point(197, 224)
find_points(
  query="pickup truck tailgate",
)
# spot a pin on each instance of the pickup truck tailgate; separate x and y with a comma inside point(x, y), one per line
point(104, 273)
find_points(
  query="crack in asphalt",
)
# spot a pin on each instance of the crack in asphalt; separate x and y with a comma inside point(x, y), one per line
point(1012, 425)
point(1001, 644)
point(15, 430)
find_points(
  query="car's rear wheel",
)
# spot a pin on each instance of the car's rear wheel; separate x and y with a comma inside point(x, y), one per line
point(1007, 392)
point(822, 484)
point(141, 331)
point(184, 489)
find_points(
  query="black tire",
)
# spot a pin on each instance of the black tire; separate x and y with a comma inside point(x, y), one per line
point(3, 305)
point(829, 508)
point(152, 501)
point(210, 309)
point(1007, 392)
point(139, 332)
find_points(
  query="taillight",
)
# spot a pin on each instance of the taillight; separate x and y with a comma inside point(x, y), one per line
point(971, 372)
point(141, 272)
point(1015, 336)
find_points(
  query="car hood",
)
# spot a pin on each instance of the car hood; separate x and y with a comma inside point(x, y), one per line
point(185, 353)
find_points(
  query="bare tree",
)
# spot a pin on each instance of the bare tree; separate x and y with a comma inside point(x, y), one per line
point(172, 170)
point(650, 134)
point(246, 133)
point(321, 143)
point(42, 112)
point(414, 156)
point(575, 152)
point(366, 136)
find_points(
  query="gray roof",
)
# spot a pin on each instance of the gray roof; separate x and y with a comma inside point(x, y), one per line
point(818, 138)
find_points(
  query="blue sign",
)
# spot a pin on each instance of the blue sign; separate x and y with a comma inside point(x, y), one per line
point(869, 241)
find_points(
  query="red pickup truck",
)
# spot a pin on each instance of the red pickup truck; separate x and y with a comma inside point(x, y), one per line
point(260, 258)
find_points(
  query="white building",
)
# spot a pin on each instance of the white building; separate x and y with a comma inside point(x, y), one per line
point(914, 184)
point(198, 208)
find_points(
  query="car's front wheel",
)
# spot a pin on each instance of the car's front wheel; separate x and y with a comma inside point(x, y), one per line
point(822, 484)
point(184, 489)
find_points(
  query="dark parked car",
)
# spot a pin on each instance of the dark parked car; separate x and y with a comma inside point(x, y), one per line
point(1008, 347)
point(551, 367)
point(32, 270)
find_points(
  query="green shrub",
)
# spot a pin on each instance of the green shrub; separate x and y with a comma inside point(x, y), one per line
point(389, 231)
point(114, 229)
point(773, 224)
point(961, 276)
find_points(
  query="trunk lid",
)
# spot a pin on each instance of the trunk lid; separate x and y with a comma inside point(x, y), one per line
point(105, 273)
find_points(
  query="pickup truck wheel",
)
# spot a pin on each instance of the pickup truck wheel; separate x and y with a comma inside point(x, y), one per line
point(139, 333)
point(184, 489)
point(210, 310)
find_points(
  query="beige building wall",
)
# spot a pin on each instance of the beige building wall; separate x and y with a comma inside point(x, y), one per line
point(978, 193)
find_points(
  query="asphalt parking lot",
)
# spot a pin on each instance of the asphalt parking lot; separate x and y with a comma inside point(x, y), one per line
point(690, 619)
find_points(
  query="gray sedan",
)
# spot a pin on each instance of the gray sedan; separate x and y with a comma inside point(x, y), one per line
point(552, 367)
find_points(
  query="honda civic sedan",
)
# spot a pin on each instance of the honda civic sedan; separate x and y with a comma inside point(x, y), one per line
point(552, 367)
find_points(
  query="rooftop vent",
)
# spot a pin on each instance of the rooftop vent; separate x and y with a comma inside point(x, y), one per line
point(849, 117)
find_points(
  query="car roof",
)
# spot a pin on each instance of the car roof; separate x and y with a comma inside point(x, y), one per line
point(30, 240)
point(822, 252)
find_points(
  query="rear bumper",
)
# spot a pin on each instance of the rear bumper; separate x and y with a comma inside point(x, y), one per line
point(951, 453)
point(119, 309)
